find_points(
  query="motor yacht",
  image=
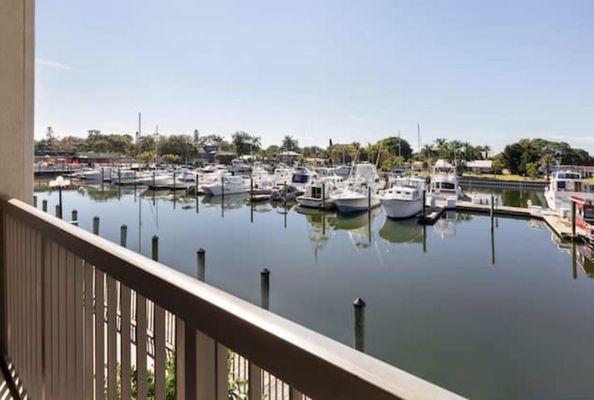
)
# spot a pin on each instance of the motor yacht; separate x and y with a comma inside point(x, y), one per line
point(404, 199)
point(564, 184)
point(361, 191)
point(444, 182)
point(319, 193)
point(227, 184)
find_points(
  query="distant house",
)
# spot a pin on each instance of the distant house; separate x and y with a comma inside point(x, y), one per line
point(54, 157)
point(207, 154)
point(289, 156)
point(92, 157)
point(480, 166)
point(225, 157)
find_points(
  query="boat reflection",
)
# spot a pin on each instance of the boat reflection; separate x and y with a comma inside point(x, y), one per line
point(230, 202)
point(402, 231)
point(319, 235)
point(358, 227)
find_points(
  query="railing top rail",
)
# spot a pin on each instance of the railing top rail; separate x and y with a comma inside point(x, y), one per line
point(311, 362)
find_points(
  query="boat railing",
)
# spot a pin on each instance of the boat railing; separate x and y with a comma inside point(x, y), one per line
point(206, 344)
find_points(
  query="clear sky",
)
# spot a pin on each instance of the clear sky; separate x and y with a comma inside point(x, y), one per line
point(489, 72)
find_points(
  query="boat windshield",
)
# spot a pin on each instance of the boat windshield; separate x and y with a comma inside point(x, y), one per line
point(300, 178)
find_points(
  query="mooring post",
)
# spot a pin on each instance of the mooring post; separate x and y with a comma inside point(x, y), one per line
point(424, 204)
point(44, 205)
point(223, 190)
point(174, 185)
point(252, 212)
point(573, 215)
point(197, 183)
point(60, 198)
point(34, 201)
point(323, 196)
point(369, 206)
point(102, 174)
point(201, 254)
point(492, 212)
point(119, 176)
point(74, 219)
point(251, 188)
point(359, 309)
point(123, 235)
point(96, 225)
point(155, 248)
point(265, 288)
point(58, 213)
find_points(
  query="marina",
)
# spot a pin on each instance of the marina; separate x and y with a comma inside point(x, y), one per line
point(417, 281)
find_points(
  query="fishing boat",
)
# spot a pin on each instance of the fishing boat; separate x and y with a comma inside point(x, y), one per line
point(227, 185)
point(319, 193)
point(302, 178)
point(361, 191)
point(284, 193)
point(564, 184)
point(444, 182)
point(404, 198)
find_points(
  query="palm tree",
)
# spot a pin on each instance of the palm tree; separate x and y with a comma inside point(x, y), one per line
point(486, 149)
point(290, 143)
point(441, 146)
point(428, 151)
point(547, 160)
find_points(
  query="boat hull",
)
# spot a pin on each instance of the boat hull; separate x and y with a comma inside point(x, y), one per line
point(355, 204)
point(312, 202)
point(401, 209)
point(217, 190)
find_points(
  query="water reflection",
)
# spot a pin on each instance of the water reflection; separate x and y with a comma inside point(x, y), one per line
point(402, 232)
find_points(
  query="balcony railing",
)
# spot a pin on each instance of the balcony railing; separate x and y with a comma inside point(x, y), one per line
point(81, 311)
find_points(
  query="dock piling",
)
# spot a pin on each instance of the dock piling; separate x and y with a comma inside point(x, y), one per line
point(35, 201)
point(265, 288)
point(201, 254)
point(96, 225)
point(323, 196)
point(359, 310)
point(573, 215)
point(58, 211)
point(123, 235)
point(44, 205)
point(74, 219)
point(424, 204)
point(155, 248)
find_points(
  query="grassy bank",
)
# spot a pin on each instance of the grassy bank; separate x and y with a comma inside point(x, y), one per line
point(503, 177)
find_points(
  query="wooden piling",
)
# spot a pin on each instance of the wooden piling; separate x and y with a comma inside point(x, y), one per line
point(323, 196)
point(265, 288)
point(74, 219)
point(359, 311)
point(201, 255)
point(96, 225)
point(123, 235)
point(573, 216)
point(44, 205)
point(34, 201)
point(58, 211)
point(424, 204)
point(155, 248)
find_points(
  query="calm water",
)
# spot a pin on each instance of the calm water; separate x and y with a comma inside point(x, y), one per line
point(490, 317)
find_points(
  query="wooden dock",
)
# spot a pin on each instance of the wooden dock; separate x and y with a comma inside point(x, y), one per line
point(559, 226)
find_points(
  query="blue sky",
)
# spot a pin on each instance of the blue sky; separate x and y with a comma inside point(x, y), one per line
point(489, 72)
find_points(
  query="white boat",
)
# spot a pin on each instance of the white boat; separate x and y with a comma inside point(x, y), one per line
point(239, 166)
point(302, 178)
point(227, 185)
point(319, 193)
point(91, 175)
point(563, 185)
point(444, 182)
point(361, 191)
point(404, 199)
point(124, 177)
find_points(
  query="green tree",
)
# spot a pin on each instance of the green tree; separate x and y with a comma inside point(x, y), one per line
point(244, 143)
point(396, 147)
point(289, 143)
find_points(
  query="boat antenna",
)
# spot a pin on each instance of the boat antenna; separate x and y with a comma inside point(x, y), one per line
point(379, 152)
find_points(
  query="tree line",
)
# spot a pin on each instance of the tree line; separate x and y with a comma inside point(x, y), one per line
point(525, 157)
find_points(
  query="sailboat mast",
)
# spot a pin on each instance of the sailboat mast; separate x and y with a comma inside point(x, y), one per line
point(419, 138)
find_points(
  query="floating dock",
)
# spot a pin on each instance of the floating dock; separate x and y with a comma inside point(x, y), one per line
point(561, 227)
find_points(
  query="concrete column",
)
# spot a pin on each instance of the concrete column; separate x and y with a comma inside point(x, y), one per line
point(17, 79)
